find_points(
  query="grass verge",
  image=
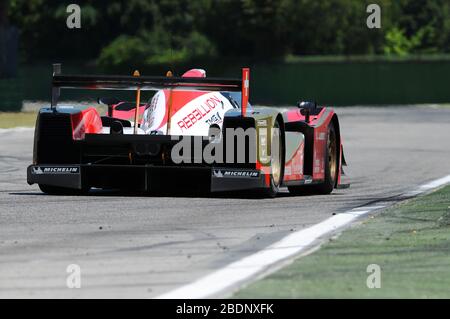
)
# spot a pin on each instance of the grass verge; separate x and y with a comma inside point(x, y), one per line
point(16, 119)
point(410, 242)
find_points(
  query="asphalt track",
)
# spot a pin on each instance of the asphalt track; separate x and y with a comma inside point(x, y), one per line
point(137, 246)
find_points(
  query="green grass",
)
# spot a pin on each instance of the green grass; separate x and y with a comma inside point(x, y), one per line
point(410, 242)
point(16, 119)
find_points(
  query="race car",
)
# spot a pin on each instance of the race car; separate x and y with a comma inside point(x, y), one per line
point(196, 133)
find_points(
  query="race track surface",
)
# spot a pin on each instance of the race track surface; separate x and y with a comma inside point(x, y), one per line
point(136, 246)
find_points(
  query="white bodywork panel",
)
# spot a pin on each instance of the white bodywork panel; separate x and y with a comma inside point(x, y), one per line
point(193, 118)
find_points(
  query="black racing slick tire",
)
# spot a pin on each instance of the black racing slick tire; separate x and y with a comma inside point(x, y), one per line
point(331, 168)
point(277, 162)
point(55, 190)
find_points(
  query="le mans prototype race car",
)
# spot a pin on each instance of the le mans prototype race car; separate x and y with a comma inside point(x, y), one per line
point(196, 133)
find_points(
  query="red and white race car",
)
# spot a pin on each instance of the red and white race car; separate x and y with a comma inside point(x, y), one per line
point(196, 133)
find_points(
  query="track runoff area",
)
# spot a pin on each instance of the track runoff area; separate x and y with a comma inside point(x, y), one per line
point(230, 278)
point(200, 297)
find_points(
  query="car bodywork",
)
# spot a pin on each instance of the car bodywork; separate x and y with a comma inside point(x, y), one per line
point(79, 149)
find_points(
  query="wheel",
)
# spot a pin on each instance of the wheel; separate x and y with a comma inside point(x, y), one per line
point(331, 164)
point(55, 190)
point(276, 162)
point(331, 169)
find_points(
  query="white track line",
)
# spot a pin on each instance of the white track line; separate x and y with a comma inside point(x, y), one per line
point(289, 246)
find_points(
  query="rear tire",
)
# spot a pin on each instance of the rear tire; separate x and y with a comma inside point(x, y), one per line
point(276, 162)
point(331, 169)
point(55, 190)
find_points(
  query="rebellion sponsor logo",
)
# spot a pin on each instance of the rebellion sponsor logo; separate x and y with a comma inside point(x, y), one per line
point(200, 112)
point(224, 173)
point(38, 170)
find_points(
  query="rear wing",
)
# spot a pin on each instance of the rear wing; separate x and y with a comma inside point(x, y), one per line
point(148, 83)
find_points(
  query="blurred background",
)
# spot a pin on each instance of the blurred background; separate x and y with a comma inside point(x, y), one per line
point(297, 49)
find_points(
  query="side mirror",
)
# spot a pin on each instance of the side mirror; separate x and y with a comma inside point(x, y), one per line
point(306, 105)
point(306, 112)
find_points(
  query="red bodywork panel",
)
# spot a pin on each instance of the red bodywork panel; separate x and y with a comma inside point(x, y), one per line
point(127, 114)
point(87, 121)
point(293, 169)
point(319, 123)
point(245, 90)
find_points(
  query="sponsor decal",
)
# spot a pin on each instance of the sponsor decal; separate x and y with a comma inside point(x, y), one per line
point(153, 117)
point(262, 123)
point(38, 170)
point(223, 173)
point(214, 119)
point(287, 170)
point(322, 136)
point(200, 112)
